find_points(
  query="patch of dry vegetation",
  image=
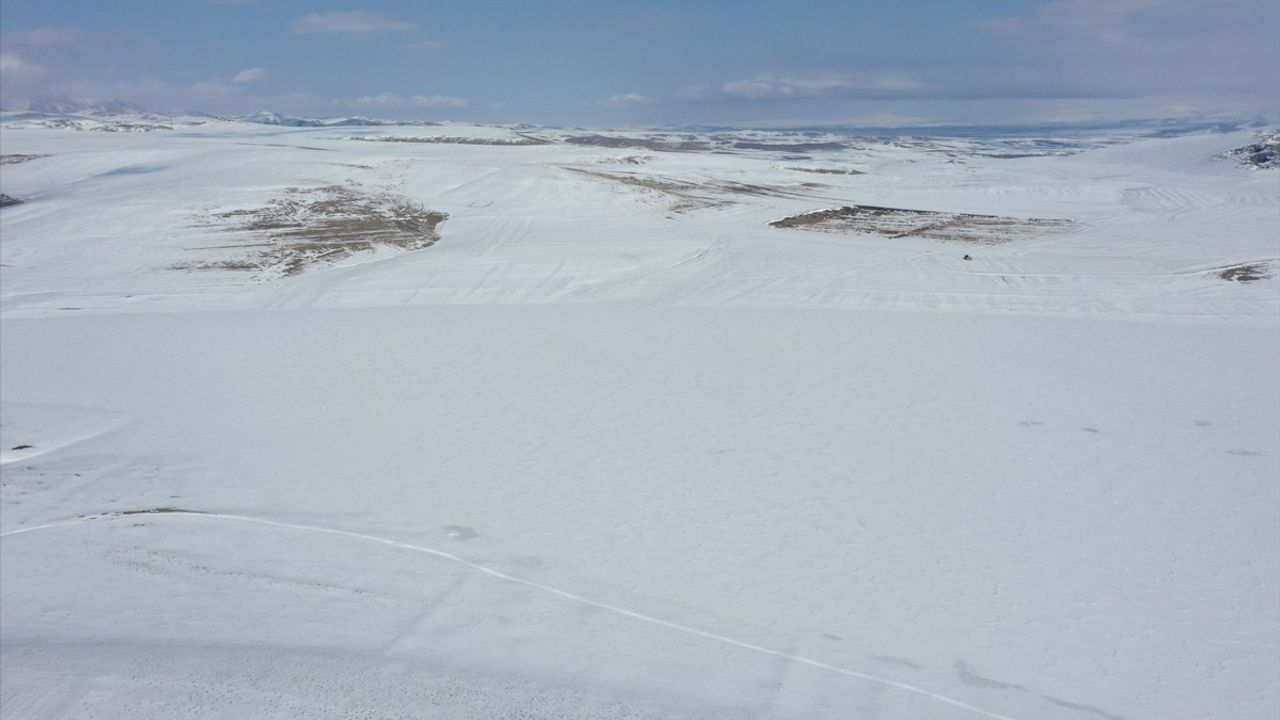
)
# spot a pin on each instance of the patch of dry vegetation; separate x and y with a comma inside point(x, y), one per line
point(1260, 155)
point(664, 143)
point(521, 140)
point(690, 195)
point(325, 224)
point(827, 171)
point(789, 147)
point(897, 223)
point(1246, 272)
point(15, 158)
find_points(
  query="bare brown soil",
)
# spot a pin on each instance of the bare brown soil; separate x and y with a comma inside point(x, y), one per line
point(131, 127)
point(828, 171)
point(789, 147)
point(13, 158)
point(1260, 155)
point(1246, 272)
point(688, 196)
point(285, 145)
point(683, 144)
point(151, 511)
point(308, 226)
point(693, 196)
point(450, 140)
point(897, 223)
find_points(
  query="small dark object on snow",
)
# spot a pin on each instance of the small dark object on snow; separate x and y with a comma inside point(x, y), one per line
point(967, 257)
point(21, 447)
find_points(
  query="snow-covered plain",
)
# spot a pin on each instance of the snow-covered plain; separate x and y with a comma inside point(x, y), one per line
point(614, 447)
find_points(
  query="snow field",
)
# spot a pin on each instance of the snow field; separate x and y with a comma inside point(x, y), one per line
point(591, 456)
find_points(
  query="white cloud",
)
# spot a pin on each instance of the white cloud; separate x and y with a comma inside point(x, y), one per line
point(440, 101)
point(351, 22)
point(782, 87)
point(249, 75)
point(621, 100)
point(14, 66)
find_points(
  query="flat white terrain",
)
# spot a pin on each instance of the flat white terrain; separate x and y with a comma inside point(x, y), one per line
point(298, 422)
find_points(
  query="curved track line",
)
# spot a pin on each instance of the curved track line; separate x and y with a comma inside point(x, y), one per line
point(905, 687)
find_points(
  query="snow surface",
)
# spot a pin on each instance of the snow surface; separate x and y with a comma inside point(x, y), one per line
point(616, 448)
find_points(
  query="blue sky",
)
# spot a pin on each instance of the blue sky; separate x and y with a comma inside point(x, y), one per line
point(748, 62)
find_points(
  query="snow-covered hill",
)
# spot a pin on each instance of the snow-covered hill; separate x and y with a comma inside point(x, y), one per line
point(1263, 154)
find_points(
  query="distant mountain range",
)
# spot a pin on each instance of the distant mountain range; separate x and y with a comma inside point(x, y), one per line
point(63, 105)
point(269, 118)
point(60, 106)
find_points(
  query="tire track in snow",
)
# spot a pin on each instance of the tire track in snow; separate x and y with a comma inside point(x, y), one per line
point(905, 687)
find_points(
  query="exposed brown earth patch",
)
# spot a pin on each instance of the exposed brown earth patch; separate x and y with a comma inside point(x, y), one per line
point(152, 511)
point(285, 145)
point(1260, 155)
point(1246, 272)
point(897, 223)
point(687, 196)
point(454, 140)
point(325, 224)
point(827, 171)
point(14, 159)
point(690, 195)
point(679, 144)
point(789, 147)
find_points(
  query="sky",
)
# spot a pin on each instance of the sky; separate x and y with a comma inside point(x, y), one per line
point(657, 62)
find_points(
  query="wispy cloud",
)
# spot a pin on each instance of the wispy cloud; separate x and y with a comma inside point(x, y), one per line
point(350, 22)
point(621, 100)
point(11, 65)
point(248, 75)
